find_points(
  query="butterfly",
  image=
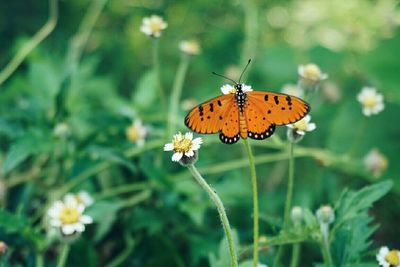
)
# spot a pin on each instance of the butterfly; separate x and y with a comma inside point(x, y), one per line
point(245, 113)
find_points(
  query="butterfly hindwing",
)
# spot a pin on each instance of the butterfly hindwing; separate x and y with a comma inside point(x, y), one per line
point(278, 109)
point(258, 126)
point(230, 130)
point(209, 116)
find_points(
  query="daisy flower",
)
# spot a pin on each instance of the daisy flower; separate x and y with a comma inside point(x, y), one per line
point(298, 129)
point(184, 147)
point(311, 73)
point(227, 89)
point(375, 162)
point(371, 101)
point(136, 132)
point(153, 26)
point(388, 258)
point(191, 48)
point(68, 216)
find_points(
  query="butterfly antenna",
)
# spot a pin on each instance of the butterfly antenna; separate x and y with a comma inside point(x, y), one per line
point(224, 77)
point(245, 68)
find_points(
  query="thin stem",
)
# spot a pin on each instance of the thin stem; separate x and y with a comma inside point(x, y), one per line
point(221, 210)
point(176, 93)
point(289, 195)
point(119, 259)
point(64, 255)
point(136, 199)
point(251, 31)
point(255, 202)
point(288, 203)
point(156, 68)
point(326, 254)
point(39, 261)
point(123, 189)
point(33, 42)
point(295, 255)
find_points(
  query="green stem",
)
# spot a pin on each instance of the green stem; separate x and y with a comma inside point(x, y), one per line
point(136, 199)
point(295, 255)
point(288, 203)
point(221, 210)
point(326, 254)
point(289, 195)
point(118, 190)
point(176, 94)
point(32, 43)
point(251, 31)
point(255, 202)
point(156, 68)
point(64, 255)
point(119, 259)
point(39, 261)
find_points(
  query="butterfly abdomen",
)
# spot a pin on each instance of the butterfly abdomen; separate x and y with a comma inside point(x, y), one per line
point(242, 125)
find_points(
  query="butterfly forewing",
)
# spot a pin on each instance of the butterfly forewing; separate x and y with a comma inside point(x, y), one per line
point(279, 109)
point(209, 117)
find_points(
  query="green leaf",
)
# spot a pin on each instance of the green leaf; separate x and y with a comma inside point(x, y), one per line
point(223, 258)
point(29, 144)
point(11, 223)
point(145, 93)
point(104, 214)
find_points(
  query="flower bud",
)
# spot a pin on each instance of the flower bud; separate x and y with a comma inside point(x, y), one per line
point(325, 214)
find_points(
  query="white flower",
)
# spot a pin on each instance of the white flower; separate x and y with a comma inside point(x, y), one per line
point(388, 258)
point(183, 145)
point(371, 101)
point(191, 47)
point(302, 126)
point(325, 214)
point(296, 214)
point(81, 197)
point(375, 162)
point(68, 216)
point(227, 89)
point(311, 73)
point(136, 132)
point(153, 26)
point(61, 129)
point(261, 265)
point(292, 89)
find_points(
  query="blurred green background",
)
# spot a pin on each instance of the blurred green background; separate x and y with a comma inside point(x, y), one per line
point(99, 85)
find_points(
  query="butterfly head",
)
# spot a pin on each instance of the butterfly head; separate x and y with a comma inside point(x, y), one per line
point(238, 87)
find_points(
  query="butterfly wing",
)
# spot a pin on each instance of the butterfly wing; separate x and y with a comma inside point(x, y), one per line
point(258, 125)
point(230, 129)
point(209, 116)
point(278, 109)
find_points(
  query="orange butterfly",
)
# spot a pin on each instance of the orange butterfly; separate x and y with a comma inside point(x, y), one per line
point(245, 113)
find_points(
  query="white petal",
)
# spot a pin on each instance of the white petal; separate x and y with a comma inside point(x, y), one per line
point(71, 202)
point(53, 212)
point(86, 219)
point(307, 118)
point(168, 147)
point(68, 229)
point(367, 112)
point(189, 135)
point(300, 132)
point(311, 127)
point(197, 141)
point(80, 208)
point(55, 223)
point(227, 89)
point(79, 227)
point(190, 153)
point(195, 147)
point(177, 156)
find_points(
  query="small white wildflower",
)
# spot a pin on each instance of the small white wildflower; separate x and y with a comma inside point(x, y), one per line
point(153, 26)
point(136, 132)
point(292, 89)
point(371, 101)
point(298, 129)
point(61, 129)
point(325, 214)
point(227, 89)
point(331, 92)
point(261, 265)
point(375, 162)
point(388, 258)
point(68, 216)
point(190, 47)
point(184, 147)
point(311, 73)
point(3, 248)
point(296, 215)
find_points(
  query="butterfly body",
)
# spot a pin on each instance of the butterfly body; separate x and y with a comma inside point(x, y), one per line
point(245, 113)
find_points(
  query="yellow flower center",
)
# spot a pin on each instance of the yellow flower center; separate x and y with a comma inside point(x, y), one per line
point(301, 125)
point(132, 133)
point(370, 102)
point(155, 26)
point(393, 257)
point(182, 145)
point(69, 215)
point(312, 71)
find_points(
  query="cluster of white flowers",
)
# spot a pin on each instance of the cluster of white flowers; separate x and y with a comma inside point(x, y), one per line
point(68, 216)
point(227, 89)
